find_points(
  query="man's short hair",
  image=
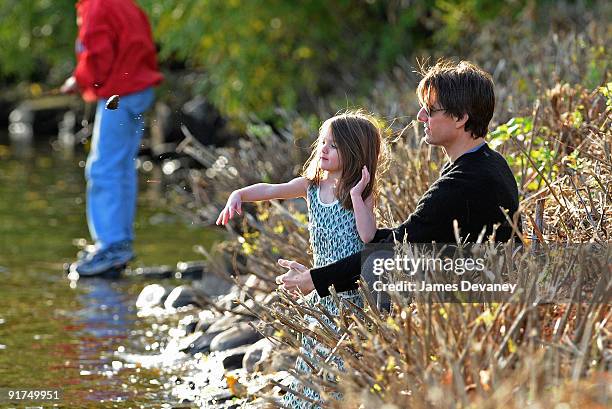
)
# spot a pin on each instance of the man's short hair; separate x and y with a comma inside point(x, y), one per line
point(460, 89)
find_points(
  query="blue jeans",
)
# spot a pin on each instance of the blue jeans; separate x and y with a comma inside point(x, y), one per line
point(112, 181)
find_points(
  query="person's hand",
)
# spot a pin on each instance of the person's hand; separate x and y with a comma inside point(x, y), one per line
point(297, 278)
point(358, 189)
point(69, 86)
point(233, 206)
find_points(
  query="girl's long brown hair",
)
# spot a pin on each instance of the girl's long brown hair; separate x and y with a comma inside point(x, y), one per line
point(359, 141)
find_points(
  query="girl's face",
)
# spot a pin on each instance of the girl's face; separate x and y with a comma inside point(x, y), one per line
point(328, 152)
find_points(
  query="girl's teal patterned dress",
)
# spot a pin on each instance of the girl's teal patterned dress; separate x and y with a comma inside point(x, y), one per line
point(333, 236)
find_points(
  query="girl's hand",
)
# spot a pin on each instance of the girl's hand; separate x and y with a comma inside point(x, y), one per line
point(233, 206)
point(358, 189)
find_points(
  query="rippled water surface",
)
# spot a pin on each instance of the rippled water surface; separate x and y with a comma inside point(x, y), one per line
point(53, 335)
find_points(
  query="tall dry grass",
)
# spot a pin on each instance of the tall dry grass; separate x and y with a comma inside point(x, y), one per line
point(507, 354)
point(554, 353)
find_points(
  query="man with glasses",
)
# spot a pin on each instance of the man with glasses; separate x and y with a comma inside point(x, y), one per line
point(475, 187)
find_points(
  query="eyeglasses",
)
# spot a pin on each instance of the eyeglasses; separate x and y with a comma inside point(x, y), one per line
point(430, 111)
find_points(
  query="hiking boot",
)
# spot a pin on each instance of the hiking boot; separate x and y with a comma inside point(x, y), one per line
point(115, 257)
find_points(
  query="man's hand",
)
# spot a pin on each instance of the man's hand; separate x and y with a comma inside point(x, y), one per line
point(69, 86)
point(298, 277)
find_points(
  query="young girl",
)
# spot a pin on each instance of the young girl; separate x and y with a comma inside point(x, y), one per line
point(339, 185)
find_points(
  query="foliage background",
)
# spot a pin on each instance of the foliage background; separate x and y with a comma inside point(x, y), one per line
point(252, 57)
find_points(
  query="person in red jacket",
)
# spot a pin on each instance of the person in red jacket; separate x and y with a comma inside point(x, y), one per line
point(115, 56)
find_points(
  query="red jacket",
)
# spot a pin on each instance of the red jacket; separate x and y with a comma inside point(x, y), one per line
point(115, 49)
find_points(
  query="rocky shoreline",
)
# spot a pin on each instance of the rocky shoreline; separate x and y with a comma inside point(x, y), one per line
point(218, 346)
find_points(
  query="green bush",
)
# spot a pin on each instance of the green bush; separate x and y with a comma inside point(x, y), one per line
point(255, 56)
point(37, 38)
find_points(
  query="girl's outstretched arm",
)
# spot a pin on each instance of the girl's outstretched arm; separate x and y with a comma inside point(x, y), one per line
point(364, 209)
point(261, 191)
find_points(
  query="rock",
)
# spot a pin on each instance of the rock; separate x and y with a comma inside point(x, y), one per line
point(213, 284)
point(186, 343)
point(180, 297)
point(113, 102)
point(183, 270)
point(249, 306)
point(189, 269)
point(256, 354)
point(151, 296)
point(236, 336)
point(226, 322)
point(234, 358)
point(227, 301)
point(201, 344)
point(189, 323)
point(190, 327)
point(205, 319)
point(154, 272)
point(280, 359)
point(218, 398)
point(251, 281)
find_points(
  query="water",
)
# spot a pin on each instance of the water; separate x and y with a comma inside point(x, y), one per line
point(53, 335)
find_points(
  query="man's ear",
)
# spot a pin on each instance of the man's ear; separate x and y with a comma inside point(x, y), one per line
point(460, 122)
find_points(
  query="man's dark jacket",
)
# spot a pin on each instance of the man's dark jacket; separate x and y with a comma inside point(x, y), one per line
point(472, 190)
